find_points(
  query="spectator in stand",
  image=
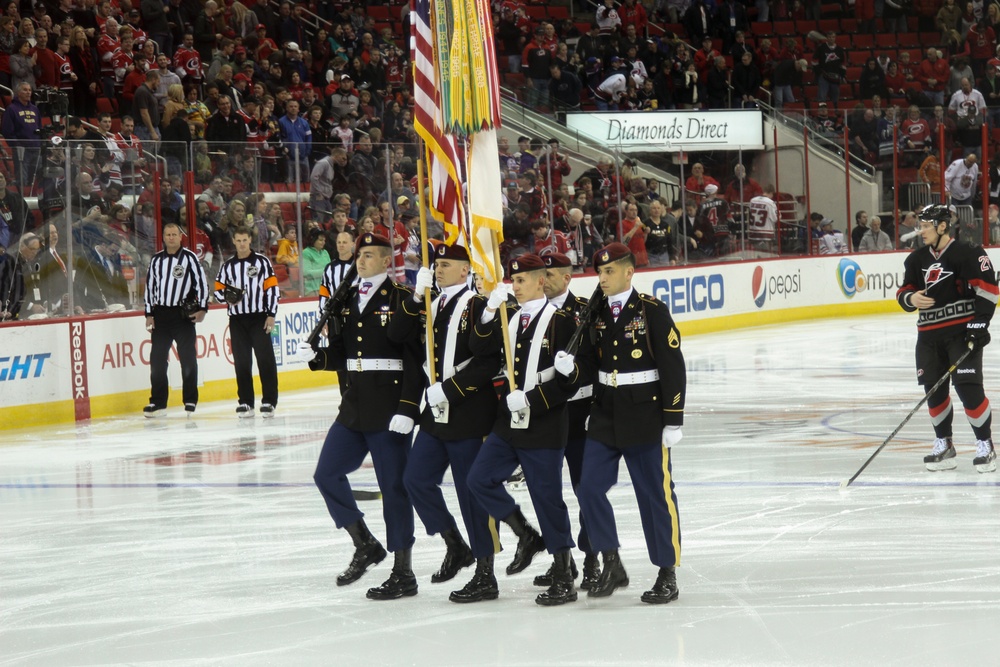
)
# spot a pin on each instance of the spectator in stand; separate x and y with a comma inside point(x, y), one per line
point(960, 180)
point(545, 240)
point(742, 188)
point(145, 108)
point(932, 74)
point(608, 20)
point(968, 107)
point(989, 86)
point(826, 125)
point(763, 219)
point(829, 61)
point(705, 57)
point(325, 174)
point(787, 70)
point(746, 81)
point(730, 18)
point(20, 126)
point(632, 13)
point(864, 135)
point(698, 20)
point(831, 241)
point(860, 228)
point(948, 18)
point(864, 12)
point(872, 81)
point(930, 172)
point(698, 180)
point(296, 137)
point(659, 232)
point(553, 166)
point(315, 259)
point(875, 240)
point(288, 248)
point(564, 90)
point(909, 237)
point(535, 61)
point(717, 85)
point(206, 34)
point(226, 132)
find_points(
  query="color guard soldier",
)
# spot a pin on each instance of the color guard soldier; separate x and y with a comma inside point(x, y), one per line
point(637, 414)
point(176, 297)
point(461, 408)
point(377, 413)
point(247, 283)
point(558, 274)
point(531, 426)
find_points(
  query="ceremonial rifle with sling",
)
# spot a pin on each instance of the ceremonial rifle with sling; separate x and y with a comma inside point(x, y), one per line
point(332, 306)
point(588, 319)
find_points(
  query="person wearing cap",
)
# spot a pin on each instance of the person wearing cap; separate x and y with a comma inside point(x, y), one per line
point(831, 241)
point(558, 274)
point(460, 408)
point(344, 103)
point(612, 89)
point(531, 425)
point(265, 45)
point(953, 287)
point(535, 61)
point(377, 413)
point(637, 414)
point(829, 126)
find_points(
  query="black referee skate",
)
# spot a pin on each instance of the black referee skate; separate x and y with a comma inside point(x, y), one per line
point(244, 411)
point(942, 457)
point(665, 588)
point(267, 411)
point(152, 410)
point(986, 456)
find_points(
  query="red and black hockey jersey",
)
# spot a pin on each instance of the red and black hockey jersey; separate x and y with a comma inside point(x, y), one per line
point(960, 279)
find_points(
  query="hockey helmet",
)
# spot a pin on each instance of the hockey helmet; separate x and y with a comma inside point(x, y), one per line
point(936, 213)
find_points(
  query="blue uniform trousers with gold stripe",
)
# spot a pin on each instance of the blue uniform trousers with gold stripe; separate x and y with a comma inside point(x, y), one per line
point(429, 459)
point(542, 468)
point(343, 452)
point(649, 467)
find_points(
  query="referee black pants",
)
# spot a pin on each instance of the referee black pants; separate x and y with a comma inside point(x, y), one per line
point(170, 326)
point(249, 340)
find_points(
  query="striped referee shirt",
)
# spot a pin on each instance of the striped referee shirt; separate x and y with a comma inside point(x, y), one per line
point(171, 278)
point(333, 275)
point(255, 276)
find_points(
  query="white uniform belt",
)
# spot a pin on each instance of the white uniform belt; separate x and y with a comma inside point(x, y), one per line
point(546, 375)
point(374, 365)
point(616, 379)
point(582, 393)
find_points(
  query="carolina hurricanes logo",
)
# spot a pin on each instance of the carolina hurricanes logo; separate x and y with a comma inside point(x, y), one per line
point(65, 69)
point(193, 65)
point(934, 274)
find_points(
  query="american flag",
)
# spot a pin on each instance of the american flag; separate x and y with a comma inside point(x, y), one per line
point(443, 172)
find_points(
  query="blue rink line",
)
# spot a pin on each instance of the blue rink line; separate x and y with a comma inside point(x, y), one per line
point(716, 484)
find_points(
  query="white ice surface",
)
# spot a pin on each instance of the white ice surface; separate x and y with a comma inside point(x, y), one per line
point(204, 542)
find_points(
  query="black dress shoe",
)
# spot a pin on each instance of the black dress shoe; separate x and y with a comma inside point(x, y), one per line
point(458, 556)
point(529, 542)
point(562, 589)
point(528, 545)
point(367, 552)
point(591, 572)
point(665, 588)
point(399, 584)
point(482, 586)
point(613, 576)
point(546, 579)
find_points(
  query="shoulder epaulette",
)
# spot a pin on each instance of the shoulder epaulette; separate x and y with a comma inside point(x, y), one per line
point(650, 299)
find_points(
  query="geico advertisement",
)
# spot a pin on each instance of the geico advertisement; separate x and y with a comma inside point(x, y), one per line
point(33, 364)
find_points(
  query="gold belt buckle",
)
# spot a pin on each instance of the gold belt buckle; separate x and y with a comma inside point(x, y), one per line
point(614, 378)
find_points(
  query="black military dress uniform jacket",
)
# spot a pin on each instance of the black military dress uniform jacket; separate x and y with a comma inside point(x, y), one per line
point(579, 409)
point(471, 397)
point(373, 397)
point(548, 421)
point(643, 339)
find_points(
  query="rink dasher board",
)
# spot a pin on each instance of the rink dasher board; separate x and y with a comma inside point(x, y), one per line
point(54, 371)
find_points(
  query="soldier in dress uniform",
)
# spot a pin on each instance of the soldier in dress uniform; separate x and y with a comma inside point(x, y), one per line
point(461, 408)
point(531, 425)
point(637, 414)
point(377, 413)
point(558, 274)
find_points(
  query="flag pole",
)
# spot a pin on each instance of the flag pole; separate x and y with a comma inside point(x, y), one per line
point(431, 368)
point(508, 353)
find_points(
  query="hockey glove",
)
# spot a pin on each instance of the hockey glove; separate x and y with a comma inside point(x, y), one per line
point(977, 332)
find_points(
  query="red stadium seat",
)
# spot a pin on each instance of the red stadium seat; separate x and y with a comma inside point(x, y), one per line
point(858, 57)
point(909, 39)
point(886, 39)
point(862, 41)
point(784, 27)
point(761, 29)
point(803, 27)
point(536, 12)
point(848, 26)
point(558, 12)
point(826, 25)
point(379, 12)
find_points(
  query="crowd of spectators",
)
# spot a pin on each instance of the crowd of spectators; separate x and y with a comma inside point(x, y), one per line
point(249, 97)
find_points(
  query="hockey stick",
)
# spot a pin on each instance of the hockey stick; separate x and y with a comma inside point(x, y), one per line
point(944, 378)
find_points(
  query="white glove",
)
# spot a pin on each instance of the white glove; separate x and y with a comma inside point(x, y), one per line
point(517, 400)
point(401, 424)
point(305, 353)
point(671, 435)
point(565, 363)
point(425, 281)
point(435, 394)
point(498, 296)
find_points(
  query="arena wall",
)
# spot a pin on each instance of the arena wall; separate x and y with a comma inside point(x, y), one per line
point(71, 370)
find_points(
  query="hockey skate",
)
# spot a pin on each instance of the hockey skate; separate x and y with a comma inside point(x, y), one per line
point(516, 480)
point(986, 456)
point(942, 457)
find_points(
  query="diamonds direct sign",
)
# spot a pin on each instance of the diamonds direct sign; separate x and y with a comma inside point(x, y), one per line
point(672, 130)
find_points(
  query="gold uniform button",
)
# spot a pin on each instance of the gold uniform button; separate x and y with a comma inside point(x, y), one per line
point(615, 343)
point(519, 346)
point(359, 325)
point(615, 357)
point(517, 358)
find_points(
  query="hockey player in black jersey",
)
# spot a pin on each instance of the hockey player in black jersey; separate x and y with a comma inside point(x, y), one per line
point(954, 287)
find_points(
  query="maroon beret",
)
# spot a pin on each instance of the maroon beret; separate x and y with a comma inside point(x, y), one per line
point(525, 263)
point(610, 253)
point(458, 252)
point(371, 240)
point(557, 260)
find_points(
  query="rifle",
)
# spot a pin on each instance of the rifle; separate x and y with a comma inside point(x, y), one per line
point(587, 320)
point(332, 305)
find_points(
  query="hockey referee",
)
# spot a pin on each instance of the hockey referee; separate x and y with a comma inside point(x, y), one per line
point(247, 283)
point(176, 297)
